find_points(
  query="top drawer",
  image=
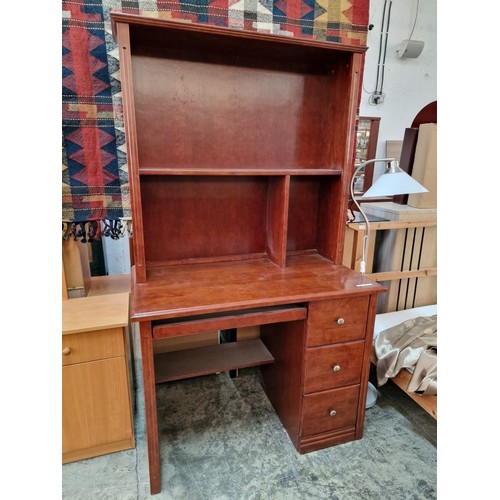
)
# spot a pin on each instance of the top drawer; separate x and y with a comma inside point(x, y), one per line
point(91, 346)
point(339, 320)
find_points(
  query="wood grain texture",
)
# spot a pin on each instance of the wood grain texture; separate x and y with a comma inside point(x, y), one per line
point(172, 28)
point(337, 320)
point(207, 360)
point(149, 384)
point(110, 284)
point(233, 319)
point(183, 290)
point(428, 403)
point(244, 145)
point(91, 346)
point(96, 416)
point(127, 86)
point(86, 314)
point(320, 361)
point(272, 118)
point(189, 217)
point(316, 417)
point(283, 380)
point(277, 218)
point(326, 439)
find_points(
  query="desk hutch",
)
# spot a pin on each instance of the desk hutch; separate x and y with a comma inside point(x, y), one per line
point(240, 151)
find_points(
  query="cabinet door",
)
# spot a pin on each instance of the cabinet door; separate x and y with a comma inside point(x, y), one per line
point(96, 406)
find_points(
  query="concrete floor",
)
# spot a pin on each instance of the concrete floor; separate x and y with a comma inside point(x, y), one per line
point(221, 440)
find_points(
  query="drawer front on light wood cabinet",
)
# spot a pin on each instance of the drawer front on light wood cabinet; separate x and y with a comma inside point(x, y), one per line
point(329, 367)
point(91, 346)
point(338, 320)
point(330, 410)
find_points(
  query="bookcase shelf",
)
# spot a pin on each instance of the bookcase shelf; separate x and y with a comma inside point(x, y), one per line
point(235, 171)
point(222, 217)
point(240, 144)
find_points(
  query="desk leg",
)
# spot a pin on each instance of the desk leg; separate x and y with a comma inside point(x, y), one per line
point(148, 375)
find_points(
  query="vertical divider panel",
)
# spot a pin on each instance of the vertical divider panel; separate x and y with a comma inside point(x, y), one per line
point(329, 193)
point(278, 194)
point(125, 55)
point(346, 97)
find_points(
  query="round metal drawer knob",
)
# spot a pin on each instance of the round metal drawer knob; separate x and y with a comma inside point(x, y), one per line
point(336, 368)
point(333, 413)
point(66, 351)
point(340, 321)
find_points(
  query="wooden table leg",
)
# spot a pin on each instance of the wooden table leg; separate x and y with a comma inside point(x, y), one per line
point(148, 375)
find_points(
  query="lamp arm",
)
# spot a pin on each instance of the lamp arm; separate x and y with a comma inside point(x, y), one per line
point(366, 238)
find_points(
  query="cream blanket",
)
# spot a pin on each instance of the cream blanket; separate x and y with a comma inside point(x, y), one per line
point(411, 345)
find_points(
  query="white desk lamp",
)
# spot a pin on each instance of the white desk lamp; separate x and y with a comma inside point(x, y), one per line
point(392, 182)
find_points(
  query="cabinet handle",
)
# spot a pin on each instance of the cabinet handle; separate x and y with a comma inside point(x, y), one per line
point(340, 321)
point(336, 368)
point(333, 413)
point(66, 351)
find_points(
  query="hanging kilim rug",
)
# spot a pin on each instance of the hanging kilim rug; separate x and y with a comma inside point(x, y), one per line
point(95, 194)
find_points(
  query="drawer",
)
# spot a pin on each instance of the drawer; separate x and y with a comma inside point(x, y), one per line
point(329, 410)
point(334, 366)
point(91, 346)
point(338, 320)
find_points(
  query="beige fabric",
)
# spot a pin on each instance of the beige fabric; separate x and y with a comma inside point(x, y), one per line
point(410, 345)
point(425, 167)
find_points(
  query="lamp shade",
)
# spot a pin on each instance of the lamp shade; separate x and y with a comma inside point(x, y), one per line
point(393, 182)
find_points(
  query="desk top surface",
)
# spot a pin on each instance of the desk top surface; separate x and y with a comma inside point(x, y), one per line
point(189, 289)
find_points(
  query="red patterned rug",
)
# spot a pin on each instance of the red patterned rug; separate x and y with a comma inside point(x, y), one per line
point(95, 194)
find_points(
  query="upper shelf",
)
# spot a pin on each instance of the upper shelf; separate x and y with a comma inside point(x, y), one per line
point(238, 171)
point(217, 99)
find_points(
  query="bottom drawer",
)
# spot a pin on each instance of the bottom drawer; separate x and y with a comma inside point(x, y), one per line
point(329, 410)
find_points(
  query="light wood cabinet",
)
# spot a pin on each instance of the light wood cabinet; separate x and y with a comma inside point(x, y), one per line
point(96, 386)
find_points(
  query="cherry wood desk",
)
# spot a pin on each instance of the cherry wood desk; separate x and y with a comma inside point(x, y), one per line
point(314, 348)
point(240, 149)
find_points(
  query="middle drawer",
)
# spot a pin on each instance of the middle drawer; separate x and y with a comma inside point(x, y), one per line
point(333, 366)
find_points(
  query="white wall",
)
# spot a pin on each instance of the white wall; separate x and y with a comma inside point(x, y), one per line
point(117, 255)
point(409, 84)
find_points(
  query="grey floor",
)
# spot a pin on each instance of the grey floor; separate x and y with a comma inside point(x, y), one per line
point(220, 439)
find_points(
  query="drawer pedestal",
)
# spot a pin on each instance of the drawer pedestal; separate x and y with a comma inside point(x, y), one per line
point(96, 386)
point(323, 402)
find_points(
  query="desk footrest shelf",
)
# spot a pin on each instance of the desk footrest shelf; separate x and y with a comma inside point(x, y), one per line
point(177, 365)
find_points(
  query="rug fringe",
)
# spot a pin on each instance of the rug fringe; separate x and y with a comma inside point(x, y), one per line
point(94, 230)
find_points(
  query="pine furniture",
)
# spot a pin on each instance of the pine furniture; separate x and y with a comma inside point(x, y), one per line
point(240, 151)
point(96, 383)
point(408, 291)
